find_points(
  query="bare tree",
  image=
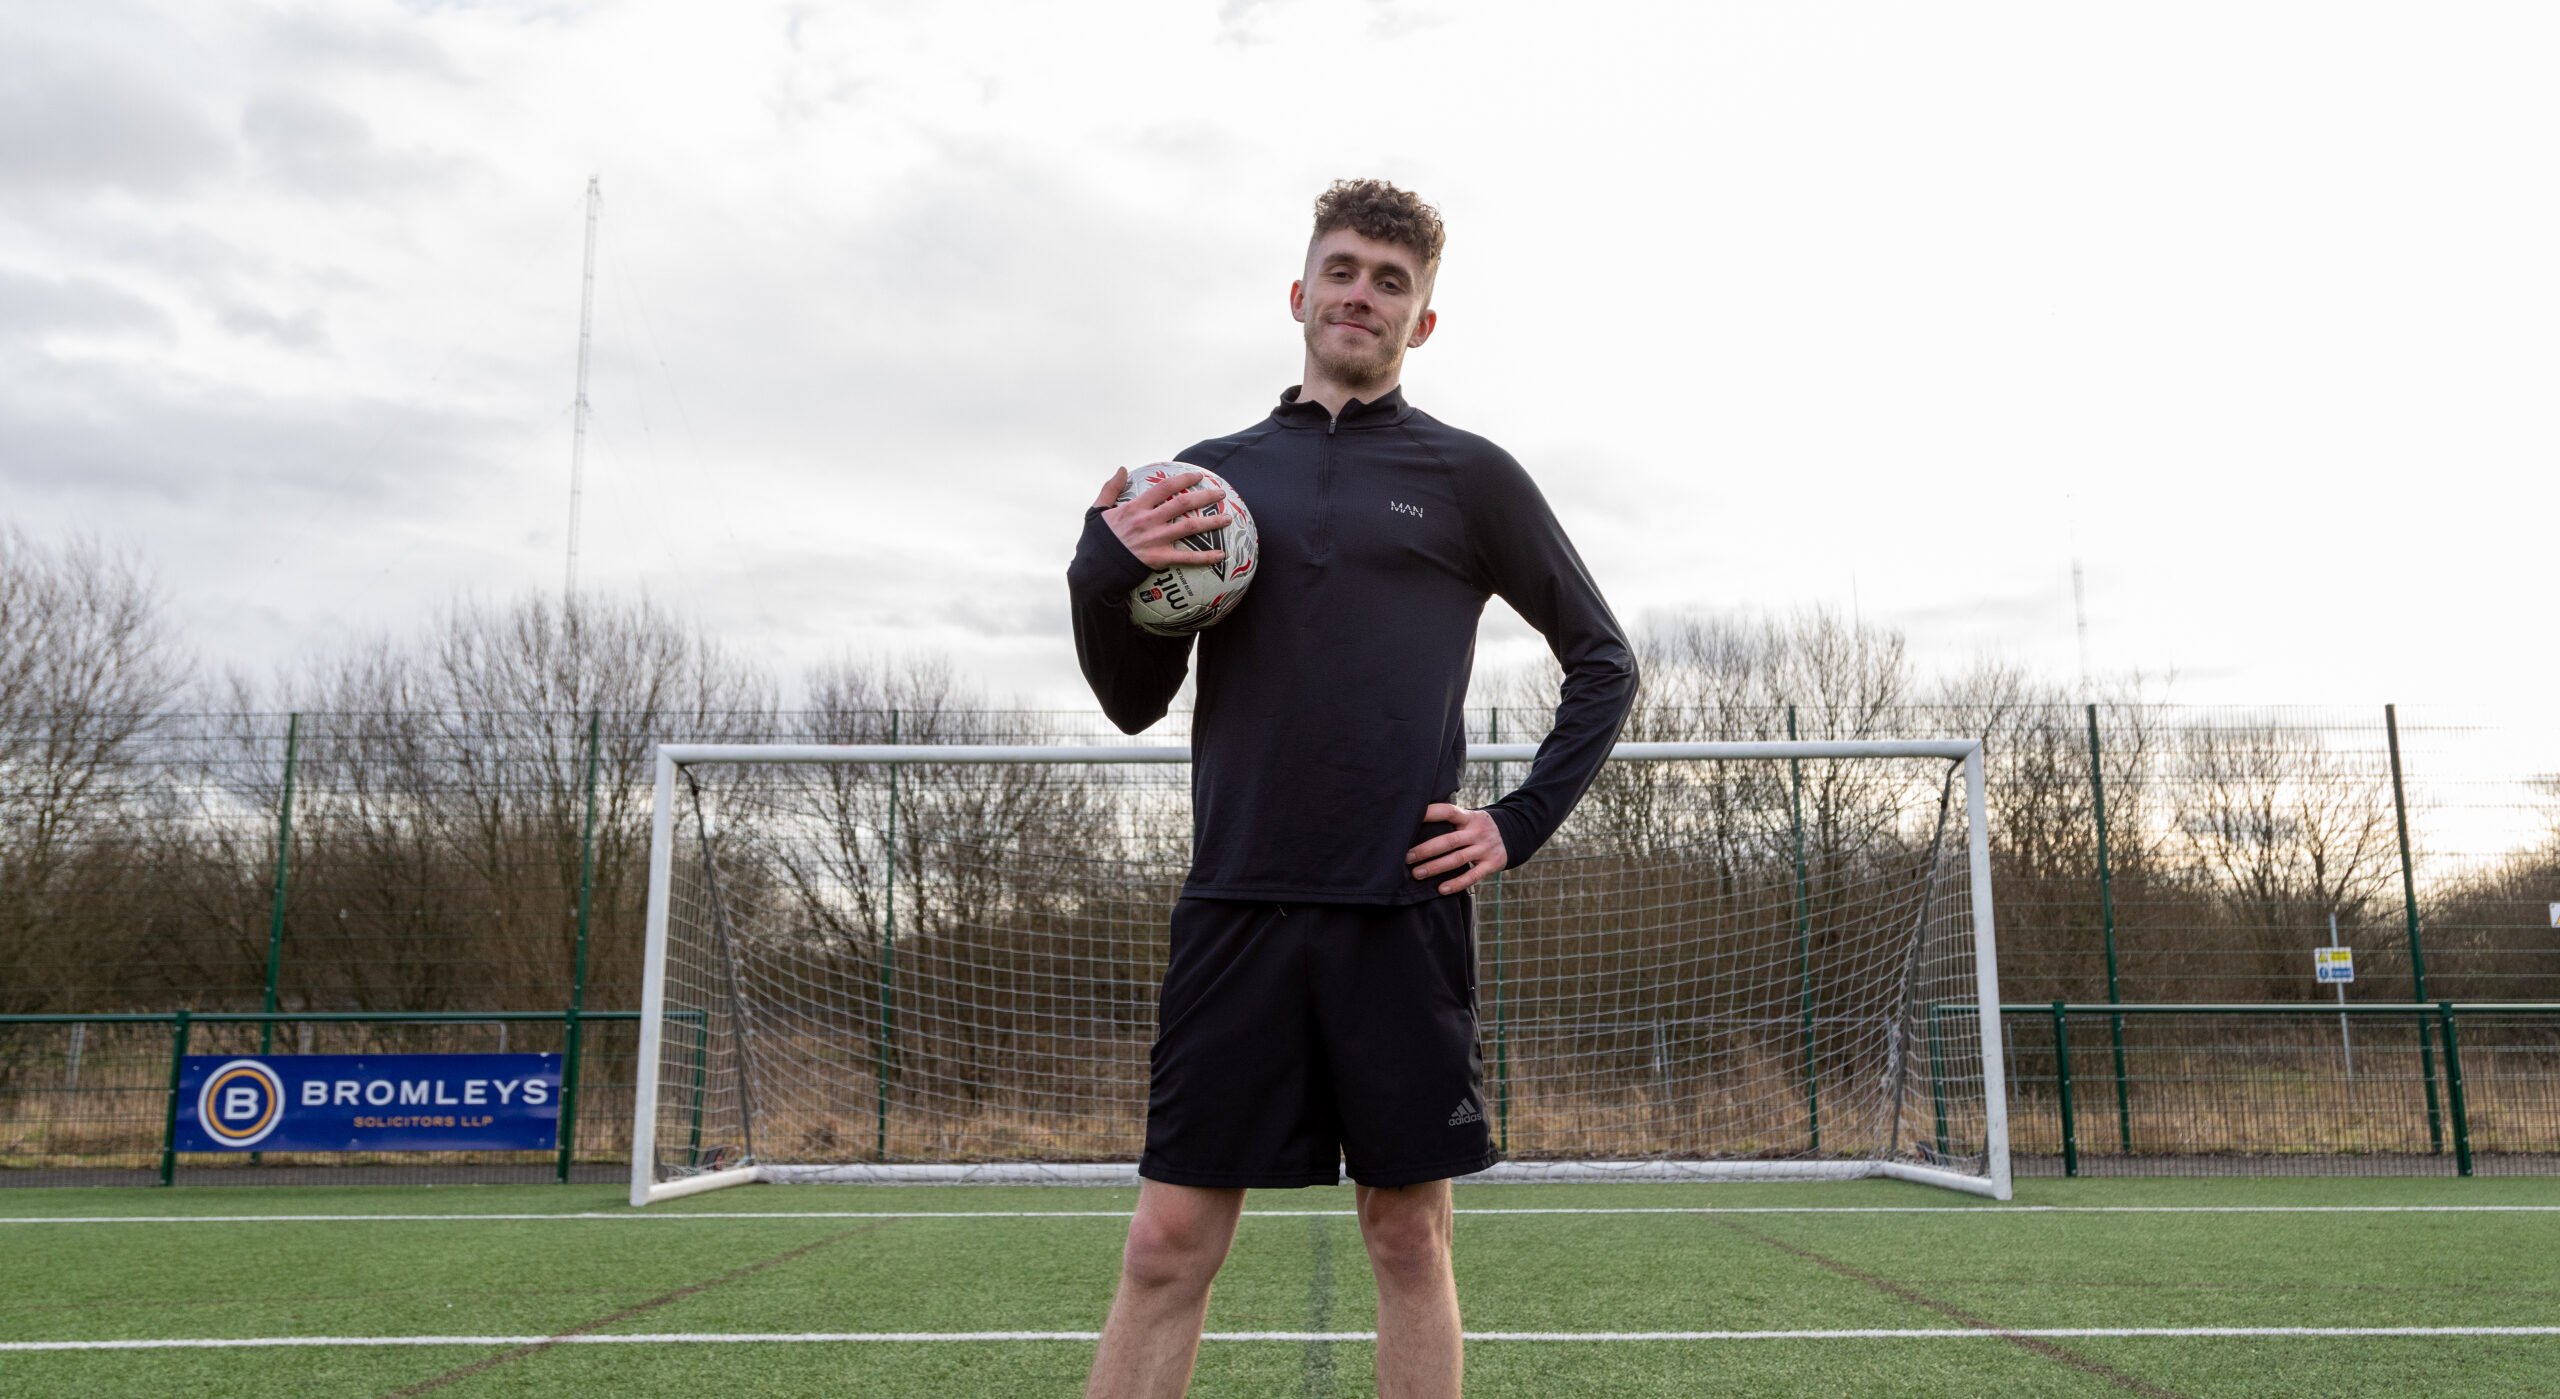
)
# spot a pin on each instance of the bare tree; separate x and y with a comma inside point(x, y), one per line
point(88, 667)
point(2284, 830)
point(441, 802)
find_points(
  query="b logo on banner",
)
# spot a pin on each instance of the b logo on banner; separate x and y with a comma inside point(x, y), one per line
point(241, 1102)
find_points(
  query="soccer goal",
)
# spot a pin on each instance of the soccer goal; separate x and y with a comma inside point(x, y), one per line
point(1768, 960)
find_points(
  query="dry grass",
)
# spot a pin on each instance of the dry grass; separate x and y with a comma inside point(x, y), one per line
point(2251, 1098)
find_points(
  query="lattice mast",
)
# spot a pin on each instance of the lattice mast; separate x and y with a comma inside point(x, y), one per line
point(578, 434)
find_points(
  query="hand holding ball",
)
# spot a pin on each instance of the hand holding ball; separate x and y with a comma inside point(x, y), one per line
point(1159, 514)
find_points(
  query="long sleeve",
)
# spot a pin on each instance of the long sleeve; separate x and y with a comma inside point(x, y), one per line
point(1530, 564)
point(1135, 674)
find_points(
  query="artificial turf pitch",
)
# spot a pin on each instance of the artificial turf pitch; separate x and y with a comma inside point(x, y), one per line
point(845, 1265)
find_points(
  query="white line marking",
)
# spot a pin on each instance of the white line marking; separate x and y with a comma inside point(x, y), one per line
point(2055, 1333)
point(1971, 1211)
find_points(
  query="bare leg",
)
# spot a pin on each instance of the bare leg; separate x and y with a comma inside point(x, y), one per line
point(1176, 1242)
point(1421, 1353)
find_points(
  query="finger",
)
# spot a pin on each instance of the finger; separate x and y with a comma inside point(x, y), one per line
point(1465, 881)
point(1175, 507)
point(1179, 531)
point(1468, 877)
point(1437, 845)
point(1455, 861)
point(1111, 490)
point(1456, 853)
point(1175, 555)
point(1444, 813)
point(1167, 489)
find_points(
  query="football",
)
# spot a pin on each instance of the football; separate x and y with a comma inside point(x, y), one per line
point(1183, 598)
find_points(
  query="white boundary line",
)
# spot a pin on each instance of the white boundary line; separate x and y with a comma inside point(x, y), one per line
point(2055, 1333)
point(1968, 1211)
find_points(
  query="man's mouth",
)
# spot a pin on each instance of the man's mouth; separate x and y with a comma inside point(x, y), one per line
point(1355, 325)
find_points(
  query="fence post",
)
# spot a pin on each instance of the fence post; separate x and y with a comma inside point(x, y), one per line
point(1804, 945)
point(2107, 916)
point(2417, 946)
point(1938, 1082)
point(2062, 1083)
point(888, 970)
point(1501, 1030)
point(573, 1039)
point(275, 903)
point(177, 1071)
point(701, 1080)
point(2453, 1090)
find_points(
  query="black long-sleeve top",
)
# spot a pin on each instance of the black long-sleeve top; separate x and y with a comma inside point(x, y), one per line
point(1331, 704)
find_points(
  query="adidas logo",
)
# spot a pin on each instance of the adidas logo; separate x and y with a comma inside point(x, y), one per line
point(1465, 1114)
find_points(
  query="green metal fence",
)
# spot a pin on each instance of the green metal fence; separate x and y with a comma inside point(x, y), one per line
point(282, 866)
point(2446, 1088)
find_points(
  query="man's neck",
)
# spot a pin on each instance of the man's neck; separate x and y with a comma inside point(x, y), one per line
point(1334, 396)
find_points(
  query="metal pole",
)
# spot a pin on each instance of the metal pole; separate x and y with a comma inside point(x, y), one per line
point(1501, 1029)
point(275, 900)
point(701, 1085)
point(275, 903)
point(1938, 1084)
point(1986, 976)
point(888, 970)
point(177, 1071)
point(2346, 1043)
point(2417, 945)
point(653, 979)
point(2062, 1088)
point(574, 1037)
point(2454, 1087)
point(1804, 946)
point(2107, 918)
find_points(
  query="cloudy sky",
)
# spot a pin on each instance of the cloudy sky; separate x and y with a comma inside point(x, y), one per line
point(2252, 308)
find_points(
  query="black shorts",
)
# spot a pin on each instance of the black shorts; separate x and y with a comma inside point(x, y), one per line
point(1291, 1039)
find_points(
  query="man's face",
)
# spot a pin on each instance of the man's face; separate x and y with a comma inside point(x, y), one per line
point(1364, 303)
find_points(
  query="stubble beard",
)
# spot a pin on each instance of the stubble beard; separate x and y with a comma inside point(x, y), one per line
point(1365, 375)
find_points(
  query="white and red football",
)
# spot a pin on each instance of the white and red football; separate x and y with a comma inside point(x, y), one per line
point(1185, 597)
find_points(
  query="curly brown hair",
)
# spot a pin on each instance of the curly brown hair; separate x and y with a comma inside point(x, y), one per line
point(1376, 209)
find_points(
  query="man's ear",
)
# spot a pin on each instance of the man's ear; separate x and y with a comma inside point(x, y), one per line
point(1422, 329)
point(1297, 301)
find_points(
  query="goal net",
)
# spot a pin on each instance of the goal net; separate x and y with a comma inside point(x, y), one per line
point(932, 963)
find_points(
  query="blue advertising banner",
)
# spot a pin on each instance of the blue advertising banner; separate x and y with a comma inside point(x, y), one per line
point(369, 1102)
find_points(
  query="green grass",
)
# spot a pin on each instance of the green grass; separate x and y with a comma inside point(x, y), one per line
point(1297, 1271)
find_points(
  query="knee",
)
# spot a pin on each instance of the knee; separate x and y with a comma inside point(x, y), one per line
point(1407, 1247)
point(1164, 1253)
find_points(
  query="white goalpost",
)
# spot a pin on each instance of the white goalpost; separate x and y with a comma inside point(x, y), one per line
point(909, 963)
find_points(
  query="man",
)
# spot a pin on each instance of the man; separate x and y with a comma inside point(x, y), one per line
point(1319, 1002)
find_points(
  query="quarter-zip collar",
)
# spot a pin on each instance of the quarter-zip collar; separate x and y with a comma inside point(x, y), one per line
point(1389, 408)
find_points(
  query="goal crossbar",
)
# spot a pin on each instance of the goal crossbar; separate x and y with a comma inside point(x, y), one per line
point(704, 754)
point(1995, 1181)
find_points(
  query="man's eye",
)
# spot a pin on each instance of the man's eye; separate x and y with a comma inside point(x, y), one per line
point(1391, 285)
